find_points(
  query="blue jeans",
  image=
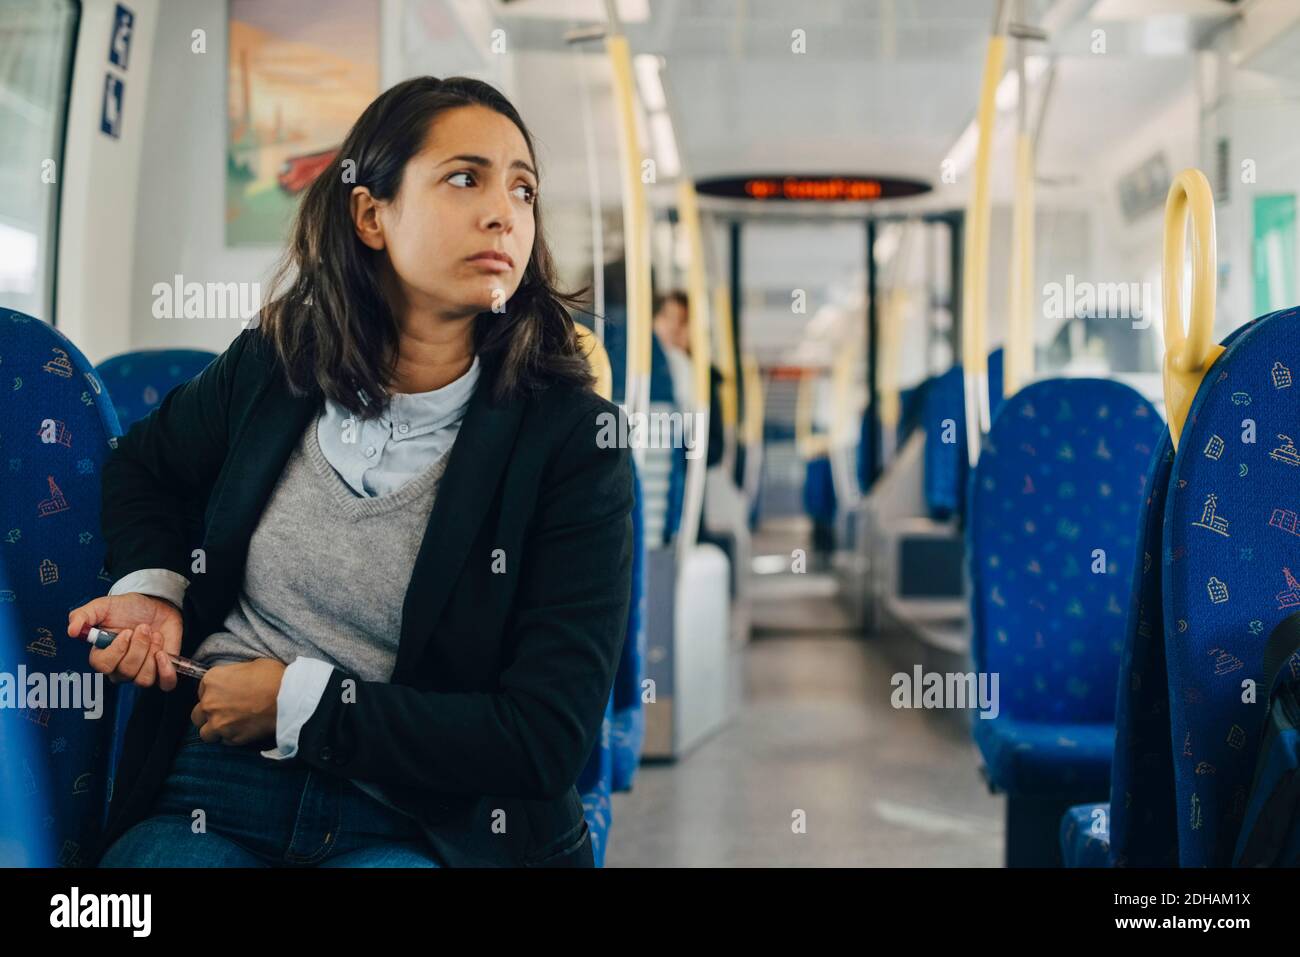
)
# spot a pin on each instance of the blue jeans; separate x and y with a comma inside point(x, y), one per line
point(263, 813)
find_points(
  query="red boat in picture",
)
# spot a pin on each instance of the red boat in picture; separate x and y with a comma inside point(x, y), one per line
point(298, 172)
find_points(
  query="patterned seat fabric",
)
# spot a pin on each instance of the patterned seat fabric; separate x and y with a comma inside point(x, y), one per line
point(1140, 816)
point(1045, 759)
point(819, 490)
point(995, 383)
point(23, 840)
point(56, 428)
point(947, 463)
point(1051, 538)
point(139, 381)
point(1086, 836)
point(1142, 832)
point(1231, 560)
point(629, 713)
point(594, 784)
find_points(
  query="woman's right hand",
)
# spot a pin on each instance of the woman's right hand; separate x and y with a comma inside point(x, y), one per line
point(145, 626)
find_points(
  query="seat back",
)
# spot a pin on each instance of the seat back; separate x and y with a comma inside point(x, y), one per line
point(1231, 567)
point(629, 714)
point(24, 840)
point(819, 490)
point(1051, 533)
point(594, 784)
point(995, 383)
point(1142, 828)
point(138, 381)
point(947, 459)
point(58, 426)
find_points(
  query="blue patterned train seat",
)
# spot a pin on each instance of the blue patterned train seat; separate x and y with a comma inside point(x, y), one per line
point(138, 381)
point(628, 726)
point(1142, 832)
point(947, 463)
point(24, 840)
point(595, 785)
point(56, 428)
point(819, 500)
point(996, 382)
point(1231, 568)
point(1140, 829)
point(1052, 532)
point(1085, 836)
point(1136, 828)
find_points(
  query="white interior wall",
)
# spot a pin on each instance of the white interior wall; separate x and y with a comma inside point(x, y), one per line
point(99, 205)
point(179, 223)
point(180, 215)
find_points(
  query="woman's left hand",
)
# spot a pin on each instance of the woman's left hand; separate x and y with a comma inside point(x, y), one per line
point(237, 702)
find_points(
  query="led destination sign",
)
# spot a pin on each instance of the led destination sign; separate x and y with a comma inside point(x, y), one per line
point(811, 189)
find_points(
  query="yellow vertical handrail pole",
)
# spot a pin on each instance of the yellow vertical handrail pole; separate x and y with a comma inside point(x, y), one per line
point(755, 412)
point(1018, 368)
point(1188, 356)
point(635, 233)
point(842, 432)
point(892, 307)
point(727, 394)
point(697, 292)
point(975, 270)
point(752, 426)
point(697, 295)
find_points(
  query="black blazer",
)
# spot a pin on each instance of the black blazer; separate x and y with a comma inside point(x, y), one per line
point(501, 679)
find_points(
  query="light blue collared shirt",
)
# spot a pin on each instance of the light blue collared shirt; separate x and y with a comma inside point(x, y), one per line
point(378, 456)
point(374, 457)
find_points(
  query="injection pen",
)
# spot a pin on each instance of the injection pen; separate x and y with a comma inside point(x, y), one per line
point(101, 638)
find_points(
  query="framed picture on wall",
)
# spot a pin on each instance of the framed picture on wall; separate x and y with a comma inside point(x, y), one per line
point(299, 74)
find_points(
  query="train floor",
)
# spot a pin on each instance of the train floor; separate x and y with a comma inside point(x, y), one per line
point(812, 731)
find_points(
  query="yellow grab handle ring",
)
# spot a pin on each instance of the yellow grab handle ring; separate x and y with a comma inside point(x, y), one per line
point(1188, 356)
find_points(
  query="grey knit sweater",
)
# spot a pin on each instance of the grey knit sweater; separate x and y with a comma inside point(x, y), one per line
point(327, 570)
point(327, 573)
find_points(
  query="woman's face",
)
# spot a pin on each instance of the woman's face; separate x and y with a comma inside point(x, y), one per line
point(470, 190)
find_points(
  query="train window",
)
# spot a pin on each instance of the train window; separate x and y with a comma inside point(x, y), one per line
point(36, 46)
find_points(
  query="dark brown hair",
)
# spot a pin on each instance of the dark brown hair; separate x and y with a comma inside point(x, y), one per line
point(672, 295)
point(332, 329)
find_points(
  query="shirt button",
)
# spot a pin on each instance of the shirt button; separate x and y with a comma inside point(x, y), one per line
point(370, 452)
point(403, 428)
point(326, 753)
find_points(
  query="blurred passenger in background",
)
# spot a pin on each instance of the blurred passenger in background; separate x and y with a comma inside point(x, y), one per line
point(672, 327)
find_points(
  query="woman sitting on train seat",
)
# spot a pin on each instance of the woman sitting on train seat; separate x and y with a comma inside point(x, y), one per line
point(414, 576)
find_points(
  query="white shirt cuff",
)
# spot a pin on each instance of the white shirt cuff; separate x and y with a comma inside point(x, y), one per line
point(301, 687)
point(158, 582)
